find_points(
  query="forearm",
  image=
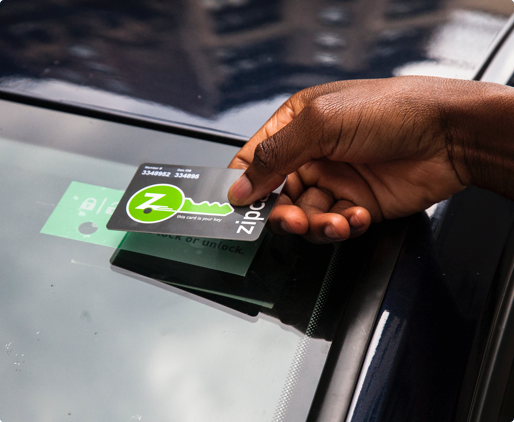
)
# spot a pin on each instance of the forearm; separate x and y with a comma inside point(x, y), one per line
point(478, 123)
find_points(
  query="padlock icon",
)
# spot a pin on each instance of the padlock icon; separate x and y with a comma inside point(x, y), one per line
point(89, 204)
point(111, 208)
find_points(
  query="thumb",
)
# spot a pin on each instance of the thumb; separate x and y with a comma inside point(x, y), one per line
point(297, 143)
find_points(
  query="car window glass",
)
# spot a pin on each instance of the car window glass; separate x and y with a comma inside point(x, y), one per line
point(89, 340)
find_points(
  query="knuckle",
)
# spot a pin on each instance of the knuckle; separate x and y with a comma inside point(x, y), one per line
point(307, 94)
point(324, 119)
point(300, 95)
point(317, 109)
point(266, 155)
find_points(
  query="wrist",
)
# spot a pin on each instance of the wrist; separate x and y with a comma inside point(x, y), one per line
point(478, 124)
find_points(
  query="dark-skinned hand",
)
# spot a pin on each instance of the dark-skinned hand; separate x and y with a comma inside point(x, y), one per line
point(357, 152)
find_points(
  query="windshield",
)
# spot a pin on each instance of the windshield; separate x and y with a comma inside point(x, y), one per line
point(96, 331)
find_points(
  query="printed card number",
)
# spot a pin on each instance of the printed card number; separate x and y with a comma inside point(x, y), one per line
point(156, 173)
point(186, 175)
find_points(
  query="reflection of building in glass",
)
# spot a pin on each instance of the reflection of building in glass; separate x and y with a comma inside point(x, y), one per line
point(406, 8)
point(305, 42)
point(242, 15)
point(206, 56)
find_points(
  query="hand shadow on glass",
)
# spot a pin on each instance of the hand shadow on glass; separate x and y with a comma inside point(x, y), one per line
point(283, 280)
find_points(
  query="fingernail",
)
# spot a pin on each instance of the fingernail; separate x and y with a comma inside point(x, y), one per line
point(240, 190)
point(285, 226)
point(354, 221)
point(330, 232)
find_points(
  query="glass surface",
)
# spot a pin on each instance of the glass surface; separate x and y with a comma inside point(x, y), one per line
point(228, 64)
point(87, 341)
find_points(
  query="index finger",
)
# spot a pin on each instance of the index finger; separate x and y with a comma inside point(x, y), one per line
point(309, 136)
point(281, 118)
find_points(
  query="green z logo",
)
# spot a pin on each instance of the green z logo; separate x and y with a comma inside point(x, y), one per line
point(165, 201)
point(148, 204)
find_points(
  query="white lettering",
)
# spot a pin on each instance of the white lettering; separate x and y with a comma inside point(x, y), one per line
point(245, 229)
point(253, 215)
point(252, 207)
point(147, 204)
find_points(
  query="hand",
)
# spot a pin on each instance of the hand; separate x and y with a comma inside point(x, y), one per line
point(358, 152)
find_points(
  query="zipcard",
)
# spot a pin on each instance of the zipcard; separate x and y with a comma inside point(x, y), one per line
point(189, 201)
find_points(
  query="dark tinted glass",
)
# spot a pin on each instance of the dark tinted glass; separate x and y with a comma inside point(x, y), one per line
point(94, 331)
point(228, 64)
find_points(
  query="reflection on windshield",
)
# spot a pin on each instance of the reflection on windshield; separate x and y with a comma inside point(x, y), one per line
point(204, 62)
point(134, 348)
point(89, 343)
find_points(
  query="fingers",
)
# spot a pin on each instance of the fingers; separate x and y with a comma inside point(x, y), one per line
point(302, 129)
point(284, 114)
point(282, 117)
point(344, 182)
point(318, 217)
point(279, 155)
point(287, 218)
point(377, 144)
point(358, 217)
